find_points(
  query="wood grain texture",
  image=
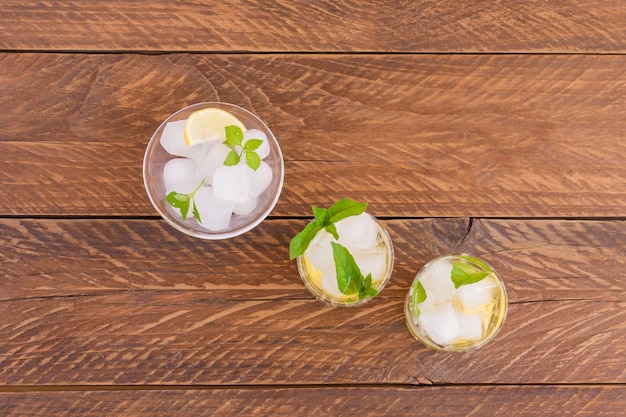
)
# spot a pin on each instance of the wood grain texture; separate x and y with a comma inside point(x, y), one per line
point(419, 136)
point(194, 338)
point(460, 401)
point(285, 26)
point(443, 115)
point(133, 303)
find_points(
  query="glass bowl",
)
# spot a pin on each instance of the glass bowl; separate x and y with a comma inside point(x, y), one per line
point(156, 158)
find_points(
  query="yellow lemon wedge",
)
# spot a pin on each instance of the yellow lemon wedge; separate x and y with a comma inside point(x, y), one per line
point(208, 125)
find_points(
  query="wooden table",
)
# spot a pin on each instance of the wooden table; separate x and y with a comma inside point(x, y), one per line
point(495, 128)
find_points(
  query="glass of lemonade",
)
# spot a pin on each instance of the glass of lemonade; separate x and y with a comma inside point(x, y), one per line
point(370, 248)
point(205, 179)
point(456, 303)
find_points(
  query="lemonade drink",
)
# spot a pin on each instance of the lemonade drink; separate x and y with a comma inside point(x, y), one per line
point(456, 303)
point(347, 262)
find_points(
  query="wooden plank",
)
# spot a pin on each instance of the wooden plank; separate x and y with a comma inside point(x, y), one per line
point(463, 401)
point(193, 337)
point(133, 303)
point(62, 258)
point(403, 26)
point(432, 136)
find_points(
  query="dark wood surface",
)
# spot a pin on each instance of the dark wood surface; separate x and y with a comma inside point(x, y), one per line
point(495, 129)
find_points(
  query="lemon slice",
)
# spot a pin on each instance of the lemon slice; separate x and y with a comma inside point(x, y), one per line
point(208, 125)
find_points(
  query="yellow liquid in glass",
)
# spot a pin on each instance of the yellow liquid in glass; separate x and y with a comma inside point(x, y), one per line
point(492, 314)
point(312, 276)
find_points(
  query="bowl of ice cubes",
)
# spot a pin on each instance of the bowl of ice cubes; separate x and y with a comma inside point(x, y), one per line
point(213, 170)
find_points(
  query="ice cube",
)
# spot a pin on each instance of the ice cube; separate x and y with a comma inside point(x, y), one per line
point(173, 139)
point(481, 293)
point(245, 208)
point(358, 231)
point(214, 213)
point(471, 325)
point(320, 252)
point(208, 157)
point(371, 261)
point(441, 323)
point(329, 284)
point(428, 304)
point(437, 282)
point(232, 183)
point(259, 179)
point(320, 255)
point(180, 175)
point(264, 149)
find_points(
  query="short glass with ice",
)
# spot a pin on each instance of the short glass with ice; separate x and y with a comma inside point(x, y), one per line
point(348, 262)
point(456, 303)
point(213, 170)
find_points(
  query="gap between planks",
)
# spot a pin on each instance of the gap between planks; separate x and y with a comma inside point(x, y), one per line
point(296, 52)
point(471, 219)
point(82, 388)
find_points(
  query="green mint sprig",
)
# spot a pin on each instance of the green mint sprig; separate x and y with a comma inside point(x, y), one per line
point(234, 139)
point(469, 273)
point(350, 280)
point(183, 201)
point(325, 219)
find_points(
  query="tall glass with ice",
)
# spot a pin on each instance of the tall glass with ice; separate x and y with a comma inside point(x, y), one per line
point(213, 170)
point(456, 303)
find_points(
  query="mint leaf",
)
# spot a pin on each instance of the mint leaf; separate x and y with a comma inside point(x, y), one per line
point(234, 139)
point(367, 288)
point(183, 202)
point(234, 136)
point(185, 209)
point(332, 229)
point(322, 217)
point(419, 296)
point(372, 292)
point(349, 277)
point(232, 158)
point(195, 212)
point(252, 144)
point(176, 199)
point(301, 241)
point(253, 159)
point(180, 201)
point(367, 282)
point(465, 273)
point(345, 208)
